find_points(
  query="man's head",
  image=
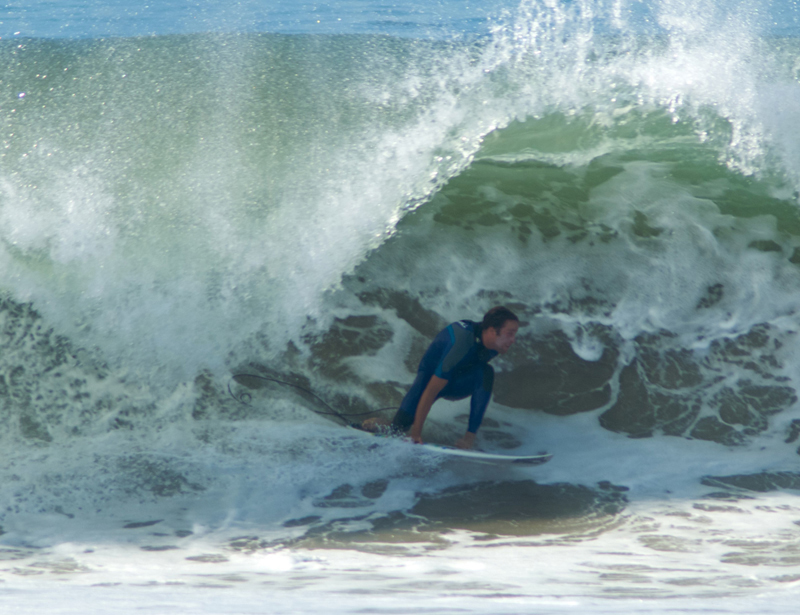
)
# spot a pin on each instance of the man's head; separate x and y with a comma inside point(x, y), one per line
point(499, 328)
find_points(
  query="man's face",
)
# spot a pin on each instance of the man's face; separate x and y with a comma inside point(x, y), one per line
point(504, 337)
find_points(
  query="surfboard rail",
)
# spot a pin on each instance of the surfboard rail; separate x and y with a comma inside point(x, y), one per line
point(468, 455)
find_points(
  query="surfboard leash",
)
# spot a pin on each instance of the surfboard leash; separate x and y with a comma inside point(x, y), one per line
point(332, 411)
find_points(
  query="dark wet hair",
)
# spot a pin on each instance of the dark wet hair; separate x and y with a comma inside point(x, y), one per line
point(497, 317)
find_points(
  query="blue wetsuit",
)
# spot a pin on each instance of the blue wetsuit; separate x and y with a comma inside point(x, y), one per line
point(458, 356)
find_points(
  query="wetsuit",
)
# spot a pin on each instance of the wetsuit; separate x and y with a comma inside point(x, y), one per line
point(458, 356)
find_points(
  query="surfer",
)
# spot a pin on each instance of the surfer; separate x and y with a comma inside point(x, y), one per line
point(455, 366)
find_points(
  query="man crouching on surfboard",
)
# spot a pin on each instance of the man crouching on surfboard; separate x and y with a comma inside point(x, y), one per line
point(456, 366)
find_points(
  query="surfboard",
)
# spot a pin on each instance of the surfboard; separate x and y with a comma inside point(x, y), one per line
point(476, 456)
point(244, 386)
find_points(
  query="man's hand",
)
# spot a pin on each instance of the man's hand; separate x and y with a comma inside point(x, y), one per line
point(467, 441)
point(415, 435)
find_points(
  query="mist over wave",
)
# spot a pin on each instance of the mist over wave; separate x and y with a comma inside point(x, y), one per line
point(164, 195)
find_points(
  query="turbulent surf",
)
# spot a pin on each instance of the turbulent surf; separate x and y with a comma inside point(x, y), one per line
point(311, 209)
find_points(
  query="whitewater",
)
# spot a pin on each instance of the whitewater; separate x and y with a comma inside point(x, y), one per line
point(227, 229)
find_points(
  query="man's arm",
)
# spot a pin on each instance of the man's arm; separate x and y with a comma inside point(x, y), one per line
point(477, 408)
point(435, 385)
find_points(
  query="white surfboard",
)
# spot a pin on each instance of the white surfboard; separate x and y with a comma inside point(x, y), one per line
point(471, 455)
point(242, 386)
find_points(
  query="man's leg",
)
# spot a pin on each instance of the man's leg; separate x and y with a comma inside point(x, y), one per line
point(476, 384)
point(480, 398)
point(404, 417)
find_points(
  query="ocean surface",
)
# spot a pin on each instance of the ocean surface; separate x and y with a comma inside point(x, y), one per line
point(226, 228)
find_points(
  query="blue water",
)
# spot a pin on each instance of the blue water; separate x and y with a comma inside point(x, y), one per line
point(434, 19)
point(439, 18)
